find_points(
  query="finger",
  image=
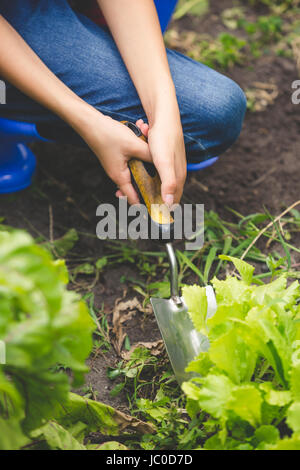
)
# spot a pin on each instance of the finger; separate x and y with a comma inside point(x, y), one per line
point(140, 150)
point(119, 193)
point(166, 170)
point(143, 127)
point(126, 188)
point(139, 122)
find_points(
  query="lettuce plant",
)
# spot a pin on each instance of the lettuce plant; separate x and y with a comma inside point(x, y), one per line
point(42, 326)
point(248, 382)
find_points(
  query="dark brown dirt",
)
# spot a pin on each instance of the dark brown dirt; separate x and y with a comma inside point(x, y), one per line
point(261, 169)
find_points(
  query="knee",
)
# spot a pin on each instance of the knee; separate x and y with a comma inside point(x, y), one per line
point(230, 109)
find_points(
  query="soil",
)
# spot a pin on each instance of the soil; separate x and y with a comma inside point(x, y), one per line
point(261, 170)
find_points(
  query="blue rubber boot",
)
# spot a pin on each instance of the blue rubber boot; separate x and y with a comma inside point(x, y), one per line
point(17, 161)
point(201, 165)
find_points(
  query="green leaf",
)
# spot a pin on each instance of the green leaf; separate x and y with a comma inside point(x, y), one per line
point(267, 434)
point(97, 416)
point(232, 355)
point(12, 436)
point(293, 416)
point(292, 443)
point(201, 365)
point(209, 261)
point(276, 291)
point(57, 437)
point(196, 301)
point(117, 389)
point(101, 263)
point(231, 291)
point(214, 443)
point(295, 382)
point(275, 397)
point(127, 345)
point(63, 245)
point(213, 395)
point(183, 257)
point(85, 268)
point(246, 402)
point(261, 332)
point(246, 270)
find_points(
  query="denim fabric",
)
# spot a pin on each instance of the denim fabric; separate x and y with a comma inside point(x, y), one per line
point(85, 57)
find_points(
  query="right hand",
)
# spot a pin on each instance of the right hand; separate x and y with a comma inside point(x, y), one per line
point(115, 144)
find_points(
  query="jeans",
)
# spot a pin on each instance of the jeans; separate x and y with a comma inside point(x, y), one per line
point(85, 57)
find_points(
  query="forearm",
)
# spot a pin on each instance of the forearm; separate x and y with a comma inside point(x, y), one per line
point(23, 68)
point(136, 31)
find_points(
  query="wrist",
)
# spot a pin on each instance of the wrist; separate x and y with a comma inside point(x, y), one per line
point(80, 115)
point(161, 104)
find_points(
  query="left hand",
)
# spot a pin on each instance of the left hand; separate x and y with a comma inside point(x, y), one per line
point(167, 150)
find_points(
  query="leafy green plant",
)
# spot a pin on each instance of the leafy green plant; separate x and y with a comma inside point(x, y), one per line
point(249, 379)
point(265, 30)
point(41, 324)
point(47, 333)
point(224, 51)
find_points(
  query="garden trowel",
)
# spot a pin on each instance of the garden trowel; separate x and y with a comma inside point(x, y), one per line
point(183, 342)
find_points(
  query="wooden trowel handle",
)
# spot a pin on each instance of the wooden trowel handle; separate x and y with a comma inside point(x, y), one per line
point(147, 181)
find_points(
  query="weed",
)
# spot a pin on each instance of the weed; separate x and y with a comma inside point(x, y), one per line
point(175, 430)
point(134, 373)
point(101, 335)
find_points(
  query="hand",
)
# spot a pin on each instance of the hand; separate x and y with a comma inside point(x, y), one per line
point(167, 150)
point(114, 145)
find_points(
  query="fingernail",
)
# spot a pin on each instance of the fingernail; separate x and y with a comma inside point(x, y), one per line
point(169, 200)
